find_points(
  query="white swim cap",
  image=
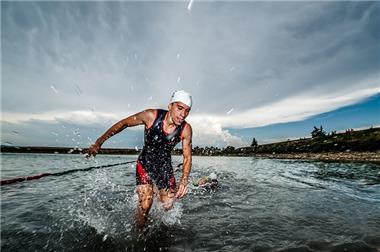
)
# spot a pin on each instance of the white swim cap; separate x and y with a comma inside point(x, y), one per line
point(212, 175)
point(181, 96)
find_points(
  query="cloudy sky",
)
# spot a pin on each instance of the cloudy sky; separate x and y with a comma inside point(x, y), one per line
point(269, 70)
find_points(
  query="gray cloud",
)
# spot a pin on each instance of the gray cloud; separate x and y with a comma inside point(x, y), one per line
point(121, 57)
point(65, 133)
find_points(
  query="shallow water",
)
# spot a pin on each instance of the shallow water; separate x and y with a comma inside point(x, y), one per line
point(262, 205)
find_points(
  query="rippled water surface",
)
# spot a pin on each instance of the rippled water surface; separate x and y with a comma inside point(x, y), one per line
point(262, 205)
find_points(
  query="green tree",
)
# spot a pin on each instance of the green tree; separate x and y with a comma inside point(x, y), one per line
point(254, 143)
point(318, 132)
point(229, 149)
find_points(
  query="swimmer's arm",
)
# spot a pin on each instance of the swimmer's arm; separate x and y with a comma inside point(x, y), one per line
point(187, 160)
point(144, 117)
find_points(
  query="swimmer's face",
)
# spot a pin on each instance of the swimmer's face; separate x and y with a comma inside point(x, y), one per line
point(178, 112)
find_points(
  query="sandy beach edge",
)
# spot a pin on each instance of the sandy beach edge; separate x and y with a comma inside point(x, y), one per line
point(362, 157)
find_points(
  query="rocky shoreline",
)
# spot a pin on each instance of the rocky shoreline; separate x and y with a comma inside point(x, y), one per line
point(362, 157)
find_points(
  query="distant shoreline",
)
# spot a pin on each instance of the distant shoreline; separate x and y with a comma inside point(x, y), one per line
point(351, 156)
point(350, 146)
point(361, 157)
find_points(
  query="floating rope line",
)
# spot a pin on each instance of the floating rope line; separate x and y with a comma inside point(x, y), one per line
point(21, 179)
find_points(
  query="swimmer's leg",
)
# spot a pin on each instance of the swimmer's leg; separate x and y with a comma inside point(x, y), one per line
point(167, 187)
point(145, 193)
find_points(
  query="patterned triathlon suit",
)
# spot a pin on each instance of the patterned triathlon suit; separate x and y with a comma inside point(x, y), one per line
point(154, 164)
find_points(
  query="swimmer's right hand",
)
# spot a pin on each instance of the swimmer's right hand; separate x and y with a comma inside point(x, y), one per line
point(93, 150)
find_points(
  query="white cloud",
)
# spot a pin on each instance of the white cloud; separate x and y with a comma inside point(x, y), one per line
point(291, 109)
point(208, 131)
point(74, 117)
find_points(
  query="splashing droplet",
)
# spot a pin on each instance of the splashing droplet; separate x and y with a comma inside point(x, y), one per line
point(190, 5)
point(77, 90)
point(54, 89)
point(105, 237)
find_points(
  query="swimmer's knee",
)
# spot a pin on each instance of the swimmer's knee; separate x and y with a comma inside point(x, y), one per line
point(145, 193)
point(144, 189)
point(145, 205)
point(145, 201)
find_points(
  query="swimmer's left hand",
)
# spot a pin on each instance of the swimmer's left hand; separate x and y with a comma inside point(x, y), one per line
point(182, 190)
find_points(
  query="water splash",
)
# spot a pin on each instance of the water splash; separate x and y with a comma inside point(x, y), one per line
point(173, 216)
point(77, 133)
point(102, 205)
point(168, 217)
point(179, 79)
point(230, 111)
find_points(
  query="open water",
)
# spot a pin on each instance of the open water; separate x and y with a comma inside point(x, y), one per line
point(262, 205)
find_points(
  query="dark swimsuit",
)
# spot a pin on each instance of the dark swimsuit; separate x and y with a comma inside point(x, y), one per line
point(154, 164)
